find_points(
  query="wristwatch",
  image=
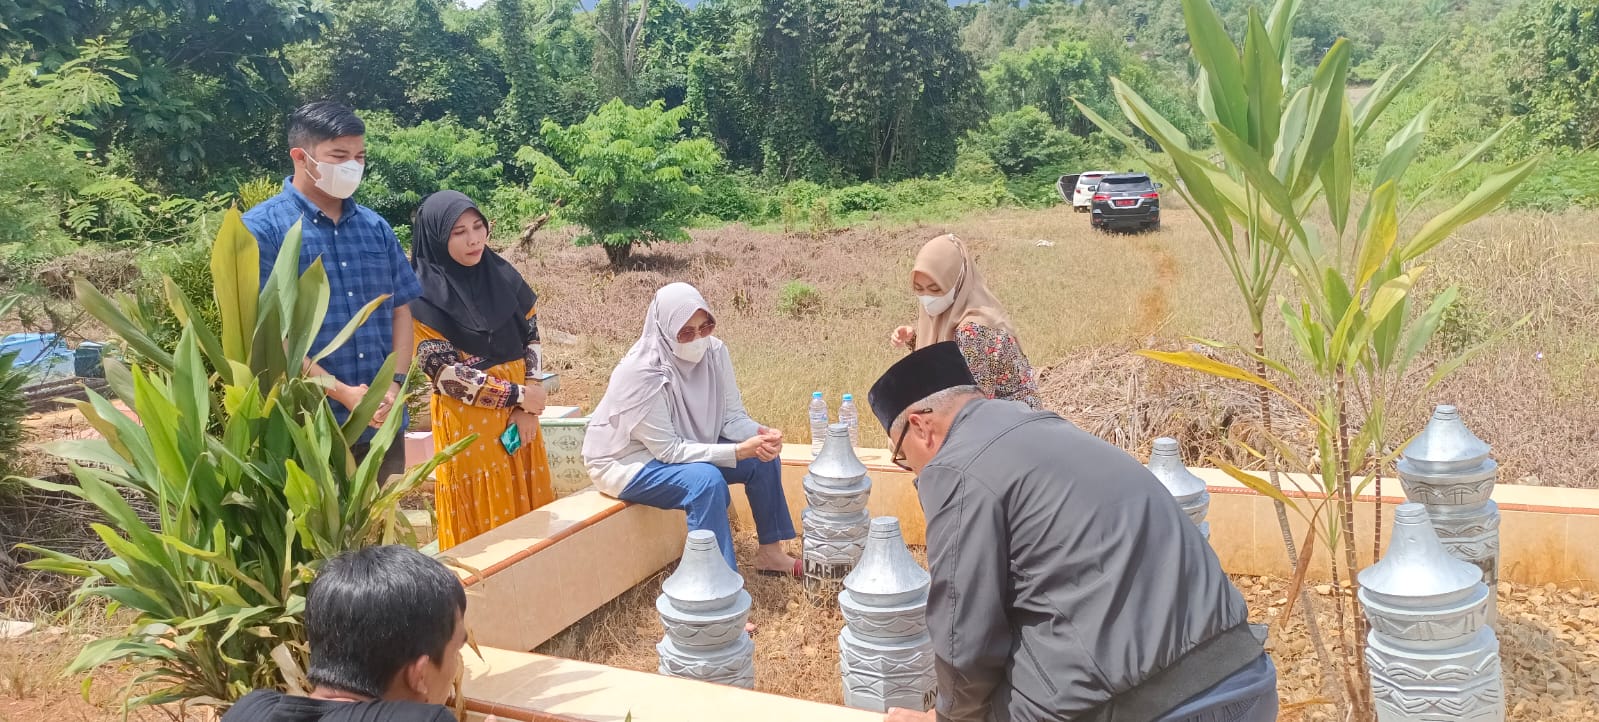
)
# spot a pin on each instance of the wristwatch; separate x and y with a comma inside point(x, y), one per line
point(401, 378)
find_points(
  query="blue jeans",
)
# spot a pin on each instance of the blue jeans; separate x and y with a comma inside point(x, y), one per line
point(701, 490)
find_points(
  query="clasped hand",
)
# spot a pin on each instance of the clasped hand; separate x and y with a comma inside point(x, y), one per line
point(765, 445)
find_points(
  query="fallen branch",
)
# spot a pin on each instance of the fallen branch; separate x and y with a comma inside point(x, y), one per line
point(525, 241)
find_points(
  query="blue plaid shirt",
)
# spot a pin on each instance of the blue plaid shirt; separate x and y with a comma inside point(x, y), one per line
point(363, 259)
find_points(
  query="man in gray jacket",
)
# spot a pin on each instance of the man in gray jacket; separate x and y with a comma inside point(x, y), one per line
point(1067, 583)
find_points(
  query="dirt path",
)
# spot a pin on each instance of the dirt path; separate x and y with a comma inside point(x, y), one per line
point(1154, 308)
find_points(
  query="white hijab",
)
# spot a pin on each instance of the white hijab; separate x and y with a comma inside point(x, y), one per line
point(699, 405)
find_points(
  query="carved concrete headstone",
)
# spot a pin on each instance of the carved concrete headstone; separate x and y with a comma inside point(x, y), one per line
point(1448, 469)
point(1189, 490)
point(885, 653)
point(1431, 652)
point(835, 518)
point(703, 606)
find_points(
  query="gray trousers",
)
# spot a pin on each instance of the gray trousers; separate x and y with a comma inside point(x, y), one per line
point(1248, 695)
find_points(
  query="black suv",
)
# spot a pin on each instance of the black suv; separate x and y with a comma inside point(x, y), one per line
point(1126, 201)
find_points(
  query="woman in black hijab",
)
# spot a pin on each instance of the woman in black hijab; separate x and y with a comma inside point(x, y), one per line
point(477, 339)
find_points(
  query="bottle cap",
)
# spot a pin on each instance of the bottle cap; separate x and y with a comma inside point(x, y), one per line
point(849, 397)
point(816, 394)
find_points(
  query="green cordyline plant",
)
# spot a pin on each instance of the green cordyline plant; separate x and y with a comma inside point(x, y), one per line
point(246, 472)
point(1351, 321)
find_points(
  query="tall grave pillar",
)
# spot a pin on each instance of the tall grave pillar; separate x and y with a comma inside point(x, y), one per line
point(1189, 490)
point(835, 519)
point(703, 606)
point(884, 651)
point(1448, 469)
point(1431, 652)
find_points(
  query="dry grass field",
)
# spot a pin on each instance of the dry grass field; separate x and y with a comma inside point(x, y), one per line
point(1082, 305)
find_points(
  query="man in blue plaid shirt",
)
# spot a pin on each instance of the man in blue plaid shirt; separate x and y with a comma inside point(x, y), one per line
point(327, 144)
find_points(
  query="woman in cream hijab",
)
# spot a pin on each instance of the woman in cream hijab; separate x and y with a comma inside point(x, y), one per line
point(672, 433)
point(957, 306)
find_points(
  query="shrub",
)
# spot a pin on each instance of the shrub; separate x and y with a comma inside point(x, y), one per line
point(863, 197)
point(821, 216)
point(624, 175)
point(406, 164)
point(728, 196)
point(251, 478)
point(253, 193)
point(798, 299)
point(1024, 140)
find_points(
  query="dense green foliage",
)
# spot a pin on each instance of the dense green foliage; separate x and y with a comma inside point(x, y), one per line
point(623, 175)
point(125, 122)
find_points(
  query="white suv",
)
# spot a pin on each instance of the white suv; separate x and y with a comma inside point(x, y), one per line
point(1082, 185)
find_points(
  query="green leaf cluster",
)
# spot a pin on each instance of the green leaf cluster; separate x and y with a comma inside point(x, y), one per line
point(250, 478)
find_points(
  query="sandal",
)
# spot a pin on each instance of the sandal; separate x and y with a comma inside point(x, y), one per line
point(798, 571)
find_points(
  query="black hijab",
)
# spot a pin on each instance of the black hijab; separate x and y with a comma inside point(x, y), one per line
point(481, 310)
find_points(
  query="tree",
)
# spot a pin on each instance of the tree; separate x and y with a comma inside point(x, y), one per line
point(1049, 78)
point(528, 101)
point(623, 174)
point(1024, 140)
point(1559, 90)
point(199, 97)
point(784, 89)
point(618, 43)
point(901, 87)
point(400, 56)
point(409, 163)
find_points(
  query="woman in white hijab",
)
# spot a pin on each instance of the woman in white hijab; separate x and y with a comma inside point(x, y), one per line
point(672, 433)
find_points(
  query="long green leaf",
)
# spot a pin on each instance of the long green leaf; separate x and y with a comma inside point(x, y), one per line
point(1338, 175)
point(349, 329)
point(310, 308)
point(1281, 24)
point(1380, 234)
point(132, 334)
point(1259, 175)
point(1214, 51)
point(183, 309)
point(1373, 105)
point(236, 275)
point(1328, 86)
point(1263, 77)
point(1488, 196)
point(1426, 327)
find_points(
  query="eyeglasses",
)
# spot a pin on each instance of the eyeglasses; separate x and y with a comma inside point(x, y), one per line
point(898, 459)
point(689, 333)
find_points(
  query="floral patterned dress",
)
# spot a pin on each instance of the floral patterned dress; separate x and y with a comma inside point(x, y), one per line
point(482, 487)
point(997, 363)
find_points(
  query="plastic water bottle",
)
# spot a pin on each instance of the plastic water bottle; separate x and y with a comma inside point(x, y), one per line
point(849, 417)
point(819, 423)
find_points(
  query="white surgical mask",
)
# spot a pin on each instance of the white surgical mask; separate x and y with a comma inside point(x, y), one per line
point(937, 304)
point(692, 351)
point(338, 179)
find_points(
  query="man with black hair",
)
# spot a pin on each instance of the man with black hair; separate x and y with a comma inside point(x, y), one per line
point(362, 257)
point(385, 629)
point(1067, 583)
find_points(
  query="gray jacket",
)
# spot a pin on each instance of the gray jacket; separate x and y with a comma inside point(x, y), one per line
point(1063, 572)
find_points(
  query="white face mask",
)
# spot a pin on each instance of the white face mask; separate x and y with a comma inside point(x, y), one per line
point(692, 351)
point(937, 304)
point(338, 180)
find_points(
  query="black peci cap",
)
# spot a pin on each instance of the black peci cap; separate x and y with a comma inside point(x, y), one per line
point(923, 373)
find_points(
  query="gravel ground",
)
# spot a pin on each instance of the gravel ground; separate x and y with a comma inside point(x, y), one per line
point(1549, 641)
